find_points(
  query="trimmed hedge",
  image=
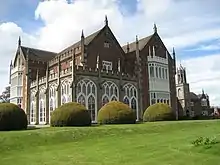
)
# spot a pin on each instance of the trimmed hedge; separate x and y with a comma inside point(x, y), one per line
point(12, 117)
point(158, 112)
point(70, 114)
point(116, 112)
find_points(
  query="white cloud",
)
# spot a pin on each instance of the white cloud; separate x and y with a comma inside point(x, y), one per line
point(180, 24)
point(204, 73)
point(207, 47)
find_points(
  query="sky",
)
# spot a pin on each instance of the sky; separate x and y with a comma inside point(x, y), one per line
point(191, 26)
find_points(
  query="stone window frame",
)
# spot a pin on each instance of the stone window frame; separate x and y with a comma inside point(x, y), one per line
point(42, 109)
point(131, 94)
point(111, 92)
point(66, 92)
point(86, 89)
point(52, 99)
point(33, 107)
point(107, 65)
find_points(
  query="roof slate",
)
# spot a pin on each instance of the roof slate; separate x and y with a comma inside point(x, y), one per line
point(142, 43)
point(37, 54)
point(88, 40)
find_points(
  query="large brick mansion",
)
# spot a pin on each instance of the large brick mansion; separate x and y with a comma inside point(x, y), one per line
point(94, 71)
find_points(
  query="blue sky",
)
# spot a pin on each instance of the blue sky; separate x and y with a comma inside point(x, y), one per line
point(191, 26)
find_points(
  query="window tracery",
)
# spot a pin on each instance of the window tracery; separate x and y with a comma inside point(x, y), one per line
point(131, 98)
point(111, 92)
point(42, 106)
point(66, 93)
point(33, 108)
point(86, 95)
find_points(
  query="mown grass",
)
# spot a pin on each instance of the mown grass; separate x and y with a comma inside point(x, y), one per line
point(159, 143)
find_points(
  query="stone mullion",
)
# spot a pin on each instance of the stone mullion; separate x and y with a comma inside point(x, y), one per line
point(37, 108)
point(47, 108)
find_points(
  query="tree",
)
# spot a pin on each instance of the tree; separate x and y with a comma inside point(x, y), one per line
point(4, 97)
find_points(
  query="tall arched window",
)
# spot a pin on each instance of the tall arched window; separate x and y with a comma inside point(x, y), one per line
point(33, 108)
point(111, 92)
point(42, 106)
point(86, 95)
point(52, 99)
point(91, 107)
point(66, 93)
point(131, 97)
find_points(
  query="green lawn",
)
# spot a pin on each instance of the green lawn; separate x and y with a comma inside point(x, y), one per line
point(161, 143)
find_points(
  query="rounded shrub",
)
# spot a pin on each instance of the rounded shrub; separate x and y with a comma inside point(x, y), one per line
point(70, 114)
point(12, 117)
point(158, 112)
point(116, 112)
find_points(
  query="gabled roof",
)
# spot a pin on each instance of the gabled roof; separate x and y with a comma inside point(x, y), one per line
point(88, 40)
point(193, 96)
point(142, 43)
point(37, 54)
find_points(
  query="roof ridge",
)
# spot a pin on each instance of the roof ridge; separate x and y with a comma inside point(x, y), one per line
point(39, 49)
point(139, 39)
point(85, 38)
point(142, 42)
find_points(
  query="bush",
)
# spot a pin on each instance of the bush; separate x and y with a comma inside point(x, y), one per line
point(12, 117)
point(116, 112)
point(70, 114)
point(204, 141)
point(158, 112)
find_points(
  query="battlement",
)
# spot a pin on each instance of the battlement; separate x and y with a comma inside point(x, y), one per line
point(53, 76)
point(42, 80)
point(80, 70)
point(158, 59)
point(54, 61)
point(66, 72)
point(65, 55)
point(104, 73)
point(33, 83)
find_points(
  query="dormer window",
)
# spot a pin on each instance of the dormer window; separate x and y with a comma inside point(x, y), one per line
point(107, 65)
point(106, 44)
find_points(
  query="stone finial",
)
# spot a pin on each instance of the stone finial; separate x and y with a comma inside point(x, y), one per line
point(128, 48)
point(119, 65)
point(136, 39)
point(19, 41)
point(97, 62)
point(82, 34)
point(106, 20)
point(155, 28)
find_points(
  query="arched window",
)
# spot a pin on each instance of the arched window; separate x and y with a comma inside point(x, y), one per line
point(86, 95)
point(42, 106)
point(52, 99)
point(91, 107)
point(33, 108)
point(66, 93)
point(110, 92)
point(131, 98)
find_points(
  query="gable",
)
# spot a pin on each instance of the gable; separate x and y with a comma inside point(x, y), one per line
point(88, 39)
point(106, 46)
point(160, 48)
point(19, 56)
point(37, 54)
